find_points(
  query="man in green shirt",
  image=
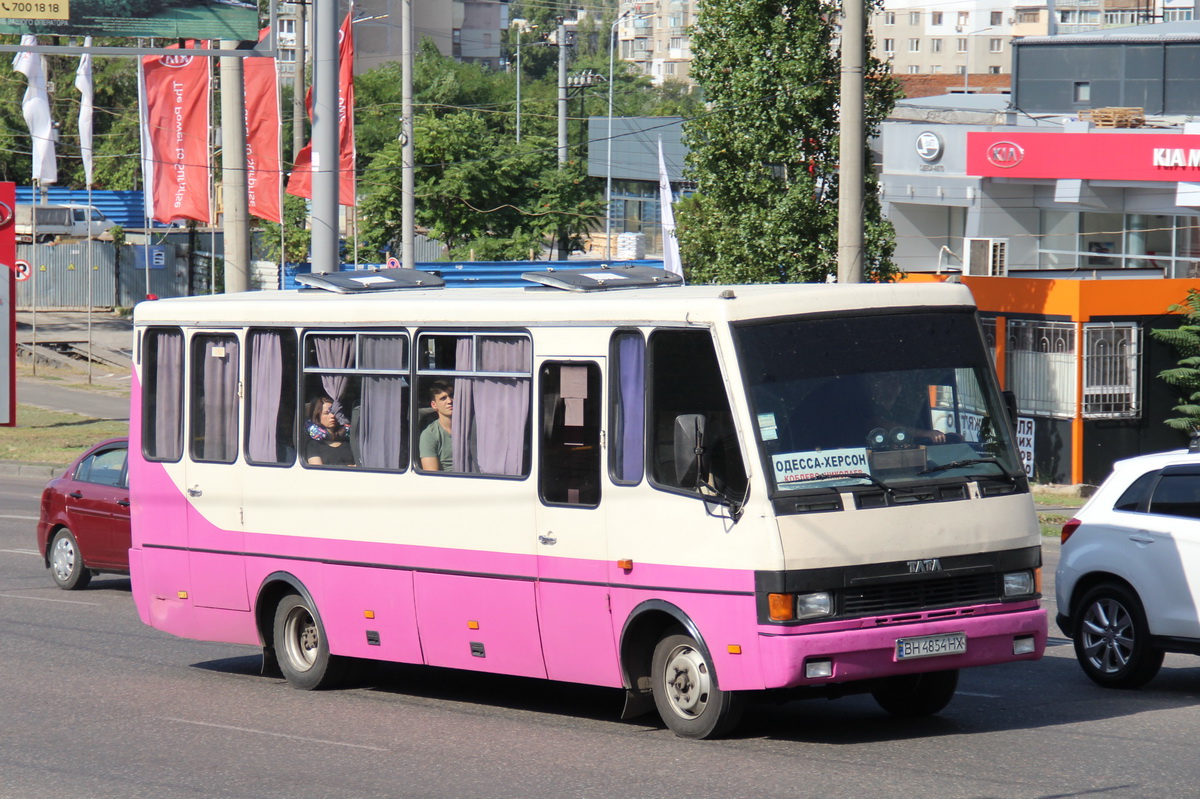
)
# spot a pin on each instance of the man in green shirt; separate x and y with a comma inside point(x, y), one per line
point(435, 446)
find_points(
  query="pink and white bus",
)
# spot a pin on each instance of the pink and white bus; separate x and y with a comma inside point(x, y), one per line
point(701, 495)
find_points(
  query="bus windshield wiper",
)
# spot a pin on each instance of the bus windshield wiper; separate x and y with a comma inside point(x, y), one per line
point(941, 467)
point(849, 476)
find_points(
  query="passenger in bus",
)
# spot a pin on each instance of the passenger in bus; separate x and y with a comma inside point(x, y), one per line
point(436, 449)
point(328, 442)
point(897, 408)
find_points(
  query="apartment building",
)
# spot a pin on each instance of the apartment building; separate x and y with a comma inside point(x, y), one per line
point(469, 30)
point(655, 36)
point(961, 37)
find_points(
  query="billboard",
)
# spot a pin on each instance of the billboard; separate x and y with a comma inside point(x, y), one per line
point(8, 306)
point(165, 19)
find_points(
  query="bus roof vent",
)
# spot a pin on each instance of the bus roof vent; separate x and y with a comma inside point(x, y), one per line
point(605, 278)
point(360, 281)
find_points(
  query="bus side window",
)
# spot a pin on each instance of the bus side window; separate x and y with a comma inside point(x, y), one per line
point(627, 407)
point(271, 397)
point(162, 395)
point(214, 392)
point(569, 469)
point(685, 381)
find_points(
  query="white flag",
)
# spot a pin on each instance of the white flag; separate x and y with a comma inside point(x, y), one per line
point(36, 109)
point(147, 146)
point(671, 260)
point(83, 82)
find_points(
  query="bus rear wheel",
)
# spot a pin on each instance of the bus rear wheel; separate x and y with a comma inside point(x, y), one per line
point(686, 693)
point(915, 695)
point(302, 648)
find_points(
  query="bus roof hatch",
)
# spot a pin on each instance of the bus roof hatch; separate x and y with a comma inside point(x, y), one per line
point(605, 278)
point(370, 280)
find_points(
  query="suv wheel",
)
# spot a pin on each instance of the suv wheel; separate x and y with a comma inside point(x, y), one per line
point(1112, 638)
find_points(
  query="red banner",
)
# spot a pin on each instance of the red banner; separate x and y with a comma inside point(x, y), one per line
point(263, 126)
point(176, 124)
point(1109, 155)
point(300, 182)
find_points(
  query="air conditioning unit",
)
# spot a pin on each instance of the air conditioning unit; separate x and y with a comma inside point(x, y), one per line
point(987, 257)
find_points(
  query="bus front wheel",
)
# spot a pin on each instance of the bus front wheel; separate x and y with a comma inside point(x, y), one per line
point(686, 693)
point(302, 648)
point(914, 695)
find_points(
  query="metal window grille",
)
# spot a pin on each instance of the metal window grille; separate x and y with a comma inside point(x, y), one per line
point(1041, 366)
point(1112, 355)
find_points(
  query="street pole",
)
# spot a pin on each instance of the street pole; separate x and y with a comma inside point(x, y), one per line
point(518, 85)
point(326, 255)
point(407, 149)
point(298, 110)
point(851, 146)
point(562, 92)
point(612, 47)
point(233, 173)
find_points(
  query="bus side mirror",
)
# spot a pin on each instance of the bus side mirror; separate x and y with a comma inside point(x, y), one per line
point(689, 448)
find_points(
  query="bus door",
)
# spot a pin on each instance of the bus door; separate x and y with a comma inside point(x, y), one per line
point(573, 611)
point(212, 477)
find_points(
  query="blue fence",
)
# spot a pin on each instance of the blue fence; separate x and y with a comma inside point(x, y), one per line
point(493, 274)
point(124, 208)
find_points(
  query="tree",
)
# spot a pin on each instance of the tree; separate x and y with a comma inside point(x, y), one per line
point(764, 156)
point(1186, 376)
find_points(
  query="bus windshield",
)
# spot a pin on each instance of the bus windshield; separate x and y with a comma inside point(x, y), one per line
point(878, 399)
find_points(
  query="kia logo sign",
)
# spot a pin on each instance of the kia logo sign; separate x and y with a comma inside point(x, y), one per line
point(1005, 154)
point(929, 146)
point(175, 61)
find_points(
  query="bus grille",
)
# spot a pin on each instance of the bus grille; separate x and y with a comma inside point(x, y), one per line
point(920, 594)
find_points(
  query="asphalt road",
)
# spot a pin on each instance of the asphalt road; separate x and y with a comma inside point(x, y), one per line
point(94, 704)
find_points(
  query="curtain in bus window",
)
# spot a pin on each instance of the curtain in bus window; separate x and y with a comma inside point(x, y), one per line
point(220, 369)
point(460, 423)
point(629, 419)
point(502, 406)
point(335, 352)
point(266, 381)
point(380, 435)
point(168, 394)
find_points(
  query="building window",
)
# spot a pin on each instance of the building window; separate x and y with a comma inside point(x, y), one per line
point(1111, 364)
point(997, 18)
point(889, 17)
point(962, 45)
point(936, 68)
point(669, 68)
point(993, 70)
point(1041, 366)
point(287, 26)
point(914, 17)
point(964, 18)
point(960, 70)
point(935, 17)
point(1177, 15)
point(1083, 92)
point(913, 69)
point(287, 55)
point(914, 45)
point(889, 46)
point(995, 45)
point(935, 45)
point(1028, 17)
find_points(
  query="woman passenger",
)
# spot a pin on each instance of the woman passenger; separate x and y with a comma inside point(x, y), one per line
point(328, 442)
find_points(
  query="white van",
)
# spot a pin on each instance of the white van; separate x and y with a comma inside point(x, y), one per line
point(60, 221)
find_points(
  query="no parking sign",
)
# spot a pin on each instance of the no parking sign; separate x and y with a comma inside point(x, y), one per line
point(22, 269)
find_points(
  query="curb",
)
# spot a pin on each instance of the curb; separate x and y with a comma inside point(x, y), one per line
point(17, 469)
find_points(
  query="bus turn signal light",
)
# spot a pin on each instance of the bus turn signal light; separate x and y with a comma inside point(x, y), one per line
point(625, 564)
point(782, 607)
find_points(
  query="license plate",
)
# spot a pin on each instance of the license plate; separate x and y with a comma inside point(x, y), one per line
point(930, 646)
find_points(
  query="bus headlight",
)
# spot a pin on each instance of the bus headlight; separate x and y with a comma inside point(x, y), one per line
point(811, 606)
point(1018, 583)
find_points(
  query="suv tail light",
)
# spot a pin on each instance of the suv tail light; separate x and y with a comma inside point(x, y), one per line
point(1068, 529)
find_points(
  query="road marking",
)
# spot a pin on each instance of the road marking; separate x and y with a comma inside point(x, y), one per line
point(47, 599)
point(22, 551)
point(983, 696)
point(276, 734)
point(23, 518)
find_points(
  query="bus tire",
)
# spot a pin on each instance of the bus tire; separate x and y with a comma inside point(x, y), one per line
point(686, 693)
point(302, 648)
point(66, 562)
point(916, 695)
point(1112, 638)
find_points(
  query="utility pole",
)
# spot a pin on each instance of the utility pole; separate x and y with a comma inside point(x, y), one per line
point(851, 147)
point(562, 92)
point(407, 149)
point(299, 112)
point(233, 173)
point(326, 252)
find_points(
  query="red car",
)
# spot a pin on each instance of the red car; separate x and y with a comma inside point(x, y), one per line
point(84, 524)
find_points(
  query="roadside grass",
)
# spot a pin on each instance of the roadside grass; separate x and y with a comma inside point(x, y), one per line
point(54, 438)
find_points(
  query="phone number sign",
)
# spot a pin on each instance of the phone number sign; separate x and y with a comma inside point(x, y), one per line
point(59, 9)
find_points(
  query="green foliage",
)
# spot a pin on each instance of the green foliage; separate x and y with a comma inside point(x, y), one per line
point(765, 156)
point(298, 238)
point(1185, 377)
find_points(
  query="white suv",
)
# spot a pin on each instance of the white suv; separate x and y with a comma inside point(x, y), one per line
point(1128, 581)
